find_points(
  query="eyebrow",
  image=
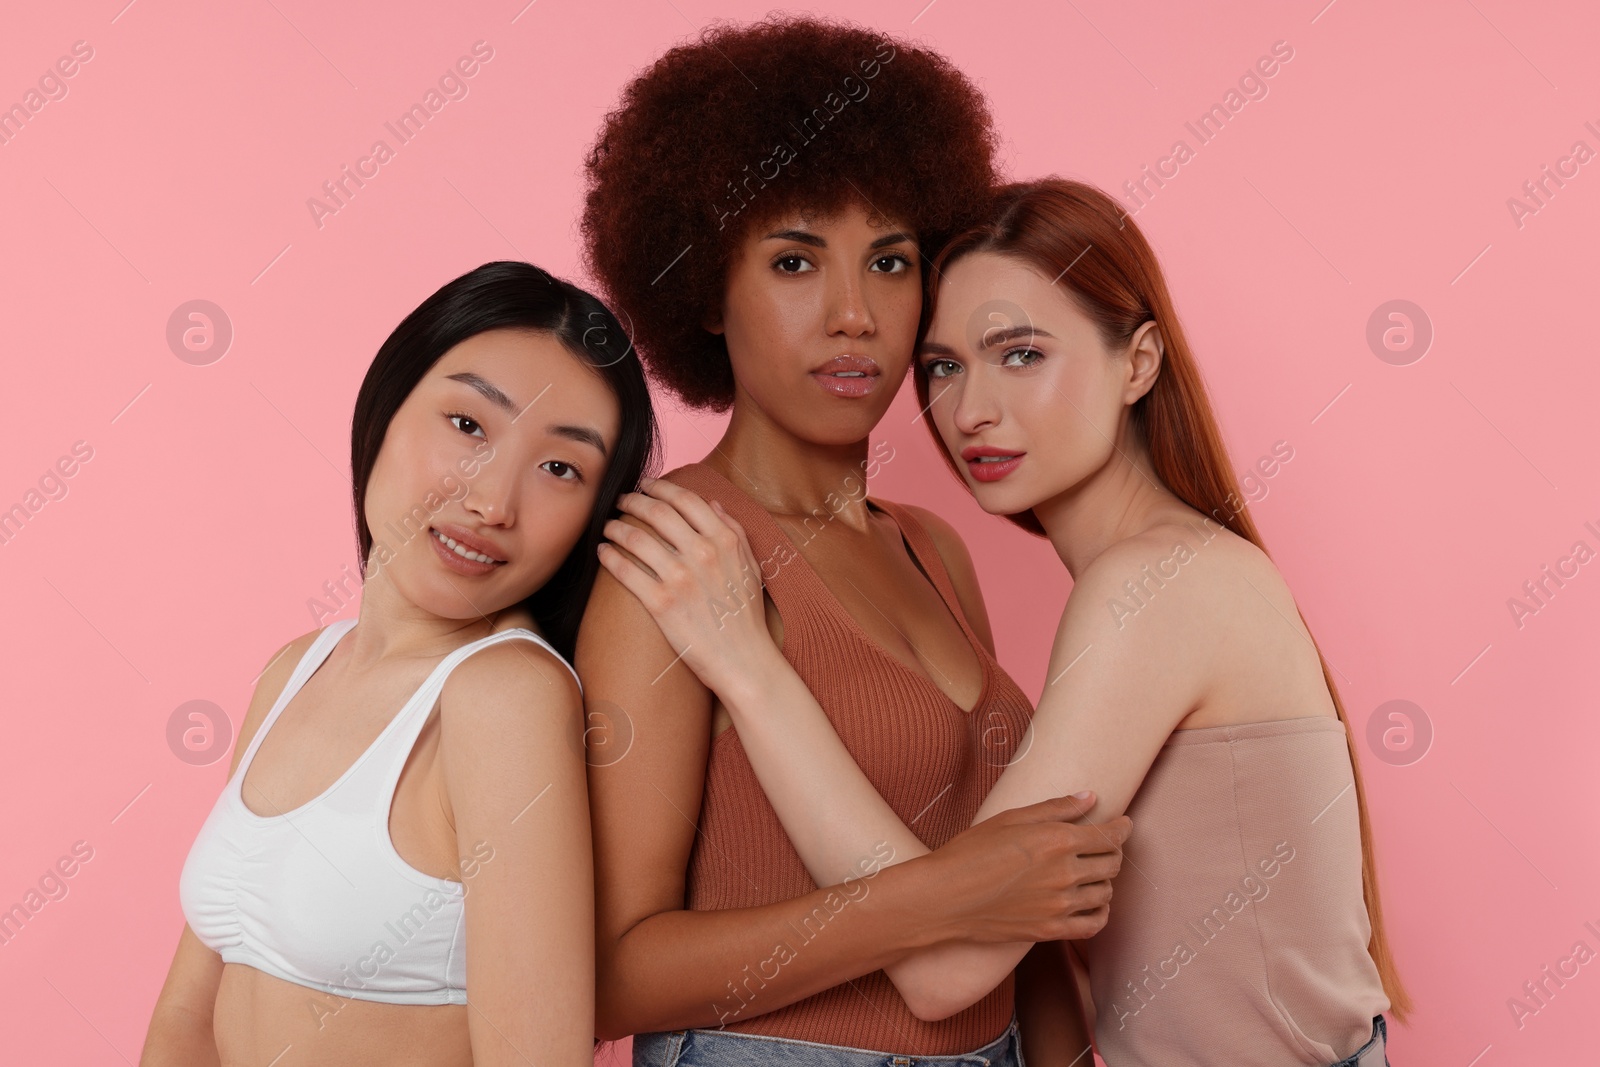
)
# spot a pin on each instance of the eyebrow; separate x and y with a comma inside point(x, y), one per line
point(581, 434)
point(496, 396)
point(991, 338)
point(490, 391)
point(805, 237)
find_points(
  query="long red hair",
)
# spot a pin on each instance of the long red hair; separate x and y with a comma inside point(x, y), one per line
point(1078, 235)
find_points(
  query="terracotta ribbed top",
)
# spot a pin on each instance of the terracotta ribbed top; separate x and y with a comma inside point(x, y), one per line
point(1238, 934)
point(930, 760)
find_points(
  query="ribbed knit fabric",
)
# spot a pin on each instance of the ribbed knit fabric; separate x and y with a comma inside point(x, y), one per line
point(930, 760)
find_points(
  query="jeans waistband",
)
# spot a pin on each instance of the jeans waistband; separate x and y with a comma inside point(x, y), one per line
point(1374, 1052)
point(732, 1048)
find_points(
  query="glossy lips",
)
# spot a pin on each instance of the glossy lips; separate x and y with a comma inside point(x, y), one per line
point(990, 464)
point(848, 376)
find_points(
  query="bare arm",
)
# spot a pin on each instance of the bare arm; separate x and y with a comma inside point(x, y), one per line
point(510, 737)
point(661, 966)
point(180, 1032)
point(833, 815)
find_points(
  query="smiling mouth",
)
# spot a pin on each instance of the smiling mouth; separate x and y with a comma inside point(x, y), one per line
point(462, 550)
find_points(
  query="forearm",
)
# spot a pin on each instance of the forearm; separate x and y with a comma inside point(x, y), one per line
point(673, 970)
point(837, 821)
point(831, 812)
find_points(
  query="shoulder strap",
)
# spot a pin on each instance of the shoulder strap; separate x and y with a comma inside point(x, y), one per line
point(783, 569)
point(524, 632)
point(320, 649)
point(926, 551)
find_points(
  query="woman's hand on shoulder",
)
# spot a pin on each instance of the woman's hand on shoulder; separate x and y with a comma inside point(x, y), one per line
point(690, 564)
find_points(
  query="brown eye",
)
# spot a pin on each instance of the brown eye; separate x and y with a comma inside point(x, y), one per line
point(471, 424)
point(575, 475)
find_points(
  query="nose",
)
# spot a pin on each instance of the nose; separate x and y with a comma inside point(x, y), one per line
point(491, 491)
point(976, 406)
point(848, 312)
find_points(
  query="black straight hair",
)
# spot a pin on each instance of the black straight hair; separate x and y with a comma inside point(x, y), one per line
point(507, 294)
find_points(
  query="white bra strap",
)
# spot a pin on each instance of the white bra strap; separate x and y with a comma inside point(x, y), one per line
point(321, 648)
point(495, 638)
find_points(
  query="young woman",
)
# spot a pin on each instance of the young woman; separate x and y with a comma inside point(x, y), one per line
point(1184, 687)
point(406, 817)
point(757, 207)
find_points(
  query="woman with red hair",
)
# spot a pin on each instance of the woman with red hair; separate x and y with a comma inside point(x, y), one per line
point(1184, 687)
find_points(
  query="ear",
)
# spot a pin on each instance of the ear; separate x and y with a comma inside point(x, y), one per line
point(1145, 352)
point(713, 321)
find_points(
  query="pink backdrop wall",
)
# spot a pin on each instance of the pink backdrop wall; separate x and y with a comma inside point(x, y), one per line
point(208, 502)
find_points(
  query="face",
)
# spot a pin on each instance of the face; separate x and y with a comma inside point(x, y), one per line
point(501, 448)
point(820, 316)
point(1025, 395)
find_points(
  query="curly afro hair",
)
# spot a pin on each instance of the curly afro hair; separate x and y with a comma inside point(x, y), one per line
point(748, 123)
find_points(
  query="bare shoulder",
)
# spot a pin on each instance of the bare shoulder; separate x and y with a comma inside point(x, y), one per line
point(269, 686)
point(498, 685)
point(1196, 564)
point(1202, 607)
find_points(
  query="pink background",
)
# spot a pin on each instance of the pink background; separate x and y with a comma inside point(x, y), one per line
point(1378, 167)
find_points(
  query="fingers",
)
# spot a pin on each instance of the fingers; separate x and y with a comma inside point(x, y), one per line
point(690, 507)
point(633, 577)
point(1052, 809)
point(735, 525)
point(1085, 924)
point(663, 517)
point(746, 554)
point(642, 543)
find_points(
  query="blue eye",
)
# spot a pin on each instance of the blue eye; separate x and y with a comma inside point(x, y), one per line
point(468, 419)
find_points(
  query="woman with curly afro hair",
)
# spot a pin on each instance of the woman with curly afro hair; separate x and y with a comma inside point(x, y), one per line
point(761, 207)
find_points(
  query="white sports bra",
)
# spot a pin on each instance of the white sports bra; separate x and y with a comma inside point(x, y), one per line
point(318, 895)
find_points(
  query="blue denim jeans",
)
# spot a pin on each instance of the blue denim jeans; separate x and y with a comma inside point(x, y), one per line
point(1373, 1053)
point(728, 1048)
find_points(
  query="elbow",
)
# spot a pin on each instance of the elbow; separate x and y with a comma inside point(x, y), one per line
point(611, 1022)
point(611, 1016)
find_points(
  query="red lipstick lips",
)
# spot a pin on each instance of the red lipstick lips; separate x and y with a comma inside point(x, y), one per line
point(990, 464)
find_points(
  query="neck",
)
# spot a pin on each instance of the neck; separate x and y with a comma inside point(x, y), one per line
point(389, 627)
point(786, 474)
point(1122, 499)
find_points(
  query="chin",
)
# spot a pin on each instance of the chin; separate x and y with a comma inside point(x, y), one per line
point(1004, 499)
point(834, 428)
